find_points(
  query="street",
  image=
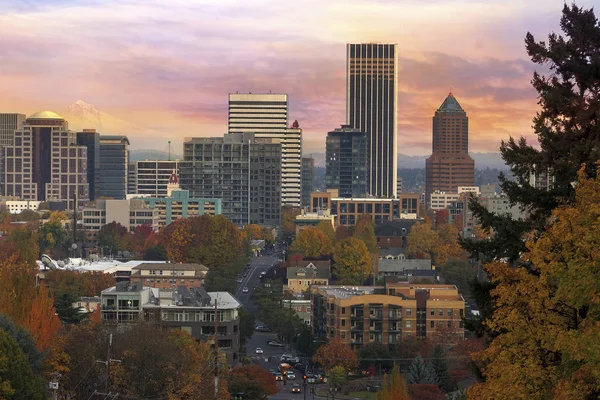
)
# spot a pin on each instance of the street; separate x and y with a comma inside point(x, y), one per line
point(259, 339)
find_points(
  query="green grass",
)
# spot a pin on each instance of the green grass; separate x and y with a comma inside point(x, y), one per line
point(363, 395)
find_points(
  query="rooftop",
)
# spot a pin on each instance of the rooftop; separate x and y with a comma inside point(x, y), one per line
point(450, 104)
point(45, 115)
point(345, 292)
point(161, 265)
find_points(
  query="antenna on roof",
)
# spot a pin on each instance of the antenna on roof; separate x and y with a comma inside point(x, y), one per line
point(450, 94)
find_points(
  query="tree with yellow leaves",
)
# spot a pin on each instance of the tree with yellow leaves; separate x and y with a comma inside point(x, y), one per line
point(547, 312)
point(312, 243)
point(352, 261)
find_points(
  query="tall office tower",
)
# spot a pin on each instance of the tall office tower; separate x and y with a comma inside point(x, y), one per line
point(266, 115)
point(91, 140)
point(308, 179)
point(152, 177)
point(114, 162)
point(132, 178)
point(347, 161)
point(371, 107)
point(239, 168)
point(450, 165)
point(9, 123)
point(45, 163)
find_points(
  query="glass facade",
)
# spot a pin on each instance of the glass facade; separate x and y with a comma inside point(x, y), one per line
point(347, 162)
point(114, 164)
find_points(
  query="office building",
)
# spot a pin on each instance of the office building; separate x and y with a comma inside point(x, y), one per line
point(114, 162)
point(409, 205)
point(91, 140)
point(266, 115)
point(347, 162)
point(308, 180)
point(151, 177)
point(309, 219)
point(386, 314)
point(45, 163)
point(372, 107)
point(450, 164)
point(168, 275)
point(347, 211)
point(179, 205)
point(131, 178)
point(9, 123)
point(240, 169)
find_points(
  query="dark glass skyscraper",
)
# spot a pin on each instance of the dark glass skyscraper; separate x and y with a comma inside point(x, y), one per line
point(371, 107)
point(91, 140)
point(114, 164)
point(346, 161)
point(308, 179)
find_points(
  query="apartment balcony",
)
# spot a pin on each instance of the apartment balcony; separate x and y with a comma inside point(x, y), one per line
point(357, 328)
point(356, 341)
point(357, 316)
point(395, 316)
point(376, 316)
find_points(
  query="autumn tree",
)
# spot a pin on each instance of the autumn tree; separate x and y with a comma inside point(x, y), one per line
point(327, 228)
point(393, 386)
point(288, 222)
point(177, 238)
point(312, 243)
point(245, 374)
point(334, 354)
point(138, 238)
point(17, 380)
point(111, 237)
point(215, 241)
point(341, 233)
point(352, 262)
point(257, 232)
point(422, 241)
point(365, 231)
point(53, 238)
point(546, 314)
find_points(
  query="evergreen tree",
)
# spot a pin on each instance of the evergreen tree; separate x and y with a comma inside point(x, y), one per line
point(25, 342)
point(568, 133)
point(440, 366)
point(420, 372)
point(16, 377)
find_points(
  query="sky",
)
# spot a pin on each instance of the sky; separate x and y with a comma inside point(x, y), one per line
point(166, 67)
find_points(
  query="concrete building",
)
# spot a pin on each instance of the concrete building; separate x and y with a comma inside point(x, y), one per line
point(15, 206)
point(266, 115)
point(152, 177)
point(409, 205)
point(305, 274)
point(371, 106)
point(91, 140)
point(9, 123)
point(312, 219)
point(191, 310)
point(181, 205)
point(308, 180)
point(168, 275)
point(114, 162)
point(398, 265)
point(45, 163)
point(440, 200)
point(399, 186)
point(387, 314)
point(450, 164)
point(241, 170)
point(348, 210)
point(347, 161)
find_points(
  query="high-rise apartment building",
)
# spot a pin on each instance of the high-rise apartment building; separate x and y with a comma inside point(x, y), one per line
point(450, 164)
point(45, 163)
point(308, 179)
point(114, 162)
point(371, 107)
point(91, 140)
point(9, 123)
point(239, 168)
point(266, 115)
point(152, 177)
point(347, 161)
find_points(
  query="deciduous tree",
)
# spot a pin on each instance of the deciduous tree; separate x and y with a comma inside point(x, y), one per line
point(393, 386)
point(257, 374)
point(139, 237)
point(422, 241)
point(365, 231)
point(327, 228)
point(352, 261)
point(110, 237)
point(335, 353)
point(312, 243)
point(288, 225)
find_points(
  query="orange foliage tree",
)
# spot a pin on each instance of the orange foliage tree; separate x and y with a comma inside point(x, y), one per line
point(334, 354)
point(257, 374)
point(312, 243)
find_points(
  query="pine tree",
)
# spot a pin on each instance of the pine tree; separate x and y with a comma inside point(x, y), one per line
point(440, 366)
point(420, 372)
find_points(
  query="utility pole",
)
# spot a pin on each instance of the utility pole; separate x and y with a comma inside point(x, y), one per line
point(216, 348)
point(107, 362)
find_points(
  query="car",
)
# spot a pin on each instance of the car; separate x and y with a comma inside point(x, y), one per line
point(272, 371)
point(300, 367)
point(259, 350)
point(290, 376)
point(310, 378)
point(274, 343)
point(296, 388)
point(262, 328)
point(278, 377)
point(245, 289)
point(240, 279)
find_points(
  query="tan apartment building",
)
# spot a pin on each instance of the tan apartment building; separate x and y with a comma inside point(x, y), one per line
point(348, 210)
point(169, 275)
point(386, 314)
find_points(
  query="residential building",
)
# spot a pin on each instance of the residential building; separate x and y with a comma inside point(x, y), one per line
point(371, 107)
point(168, 275)
point(114, 162)
point(45, 163)
point(312, 219)
point(152, 177)
point(308, 180)
point(391, 265)
point(15, 206)
point(386, 314)
point(9, 123)
point(91, 140)
point(305, 274)
point(266, 115)
point(191, 310)
point(440, 200)
point(450, 164)
point(241, 170)
point(132, 178)
point(394, 234)
point(302, 307)
point(347, 161)
point(181, 205)
point(542, 180)
point(348, 210)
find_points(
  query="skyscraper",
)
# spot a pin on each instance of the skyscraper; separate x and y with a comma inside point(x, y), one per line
point(347, 161)
point(449, 165)
point(308, 179)
point(266, 115)
point(9, 123)
point(114, 163)
point(91, 140)
point(371, 107)
point(45, 163)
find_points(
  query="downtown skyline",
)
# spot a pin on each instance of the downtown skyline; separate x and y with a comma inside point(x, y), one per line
point(169, 70)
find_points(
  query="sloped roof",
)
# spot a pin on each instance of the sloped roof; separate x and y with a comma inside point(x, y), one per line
point(450, 104)
point(309, 272)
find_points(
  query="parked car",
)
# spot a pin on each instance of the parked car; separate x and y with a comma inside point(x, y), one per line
point(272, 371)
point(259, 350)
point(291, 376)
point(240, 279)
point(274, 343)
point(296, 388)
point(262, 328)
point(286, 357)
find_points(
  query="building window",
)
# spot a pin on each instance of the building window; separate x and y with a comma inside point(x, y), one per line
point(408, 323)
point(441, 312)
point(449, 312)
point(343, 310)
point(432, 312)
point(449, 324)
point(343, 335)
point(343, 322)
point(432, 324)
point(408, 312)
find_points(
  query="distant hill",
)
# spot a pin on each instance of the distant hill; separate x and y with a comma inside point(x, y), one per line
point(151, 154)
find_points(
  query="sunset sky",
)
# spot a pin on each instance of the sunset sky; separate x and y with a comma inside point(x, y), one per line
point(167, 66)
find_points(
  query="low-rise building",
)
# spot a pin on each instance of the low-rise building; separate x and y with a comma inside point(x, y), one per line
point(15, 206)
point(169, 275)
point(394, 234)
point(408, 204)
point(387, 314)
point(348, 210)
point(305, 274)
point(87, 304)
point(302, 307)
point(440, 200)
point(179, 205)
point(312, 219)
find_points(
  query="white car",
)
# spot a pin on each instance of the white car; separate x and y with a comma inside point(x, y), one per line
point(245, 289)
point(290, 375)
point(259, 350)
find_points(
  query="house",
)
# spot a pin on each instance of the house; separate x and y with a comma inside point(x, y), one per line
point(305, 273)
point(167, 275)
point(394, 233)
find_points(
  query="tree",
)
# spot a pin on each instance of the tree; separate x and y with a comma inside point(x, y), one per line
point(459, 273)
point(365, 231)
point(215, 241)
point(246, 325)
point(110, 237)
point(334, 354)
point(422, 241)
point(288, 222)
point(53, 237)
point(448, 246)
point(177, 239)
point(352, 261)
point(373, 353)
point(139, 236)
point(393, 386)
point(327, 228)
point(420, 372)
point(156, 253)
point(257, 374)
point(546, 314)
point(42, 321)
point(24, 341)
point(336, 377)
point(17, 380)
point(257, 232)
point(426, 392)
point(312, 243)
point(342, 233)
point(440, 367)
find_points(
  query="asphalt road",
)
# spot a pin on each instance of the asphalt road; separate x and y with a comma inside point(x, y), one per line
point(270, 358)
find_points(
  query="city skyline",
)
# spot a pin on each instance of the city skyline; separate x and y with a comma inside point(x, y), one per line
point(168, 71)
